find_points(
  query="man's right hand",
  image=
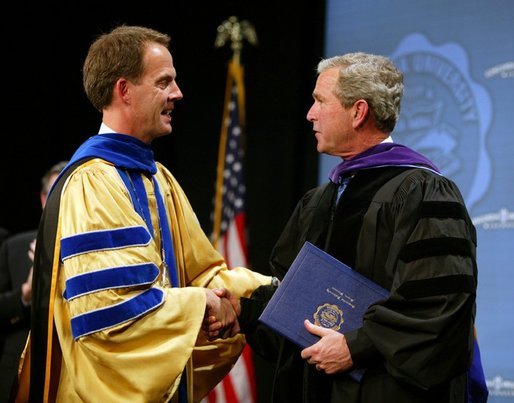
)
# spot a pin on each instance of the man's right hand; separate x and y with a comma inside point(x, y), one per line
point(32, 250)
point(220, 319)
point(26, 289)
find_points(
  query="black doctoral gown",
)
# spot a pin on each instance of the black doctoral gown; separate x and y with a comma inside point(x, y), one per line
point(414, 238)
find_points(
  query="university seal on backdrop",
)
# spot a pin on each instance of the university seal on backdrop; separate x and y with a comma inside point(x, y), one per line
point(329, 316)
point(445, 114)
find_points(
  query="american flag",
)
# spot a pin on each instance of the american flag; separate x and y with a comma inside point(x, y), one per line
point(229, 212)
point(229, 226)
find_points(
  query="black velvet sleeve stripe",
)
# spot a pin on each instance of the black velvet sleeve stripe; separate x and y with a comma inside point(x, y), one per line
point(435, 247)
point(460, 283)
point(439, 209)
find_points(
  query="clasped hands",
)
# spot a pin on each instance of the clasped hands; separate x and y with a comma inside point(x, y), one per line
point(221, 312)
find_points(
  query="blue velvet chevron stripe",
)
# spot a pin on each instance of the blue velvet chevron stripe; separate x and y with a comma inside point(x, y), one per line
point(134, 184)
point(114, 277)
point(104, 240)
point(104, 318)
point(166, 237)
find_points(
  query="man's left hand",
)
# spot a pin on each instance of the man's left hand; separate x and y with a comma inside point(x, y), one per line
point(330, 354)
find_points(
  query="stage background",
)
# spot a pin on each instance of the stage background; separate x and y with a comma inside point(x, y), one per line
point(458, 62)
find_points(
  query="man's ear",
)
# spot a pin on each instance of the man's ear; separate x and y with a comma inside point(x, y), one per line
point(122, 89)
point(360, 110)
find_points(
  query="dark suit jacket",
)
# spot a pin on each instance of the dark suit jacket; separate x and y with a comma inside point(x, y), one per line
point(4, 233)
point(14, 316)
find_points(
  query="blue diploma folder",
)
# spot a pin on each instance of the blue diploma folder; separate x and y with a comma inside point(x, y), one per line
point(322, 289)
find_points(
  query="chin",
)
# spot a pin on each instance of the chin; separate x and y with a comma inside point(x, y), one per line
point(165, 130)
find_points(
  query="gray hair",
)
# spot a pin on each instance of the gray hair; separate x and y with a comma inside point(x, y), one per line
point(372, 78)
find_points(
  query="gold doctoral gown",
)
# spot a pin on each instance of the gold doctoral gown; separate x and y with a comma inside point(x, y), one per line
point(138, 358)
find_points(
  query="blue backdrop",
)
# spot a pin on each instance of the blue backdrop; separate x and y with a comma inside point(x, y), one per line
point(458, 109)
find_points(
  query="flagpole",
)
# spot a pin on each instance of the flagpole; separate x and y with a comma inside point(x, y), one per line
point(229, 218)
point(234, 31)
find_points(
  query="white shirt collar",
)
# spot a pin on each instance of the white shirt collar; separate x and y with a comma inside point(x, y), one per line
point(105, 129)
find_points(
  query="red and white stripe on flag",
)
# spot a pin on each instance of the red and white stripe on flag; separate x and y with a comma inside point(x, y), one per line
point(233, 246)
point(229, 227)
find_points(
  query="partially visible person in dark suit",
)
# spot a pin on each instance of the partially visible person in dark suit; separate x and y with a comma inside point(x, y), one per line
point(4, 233)
point(16, 257)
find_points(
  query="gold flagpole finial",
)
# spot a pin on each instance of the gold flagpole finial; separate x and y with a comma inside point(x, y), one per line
point(236, 31)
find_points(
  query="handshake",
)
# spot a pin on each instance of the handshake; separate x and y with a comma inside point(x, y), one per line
point(221, 312)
